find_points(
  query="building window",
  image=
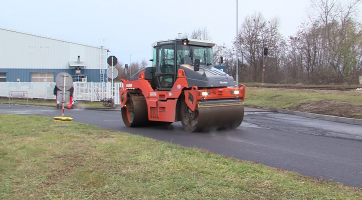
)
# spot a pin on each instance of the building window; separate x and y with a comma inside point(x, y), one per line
point(42, 77)
point(2, 77)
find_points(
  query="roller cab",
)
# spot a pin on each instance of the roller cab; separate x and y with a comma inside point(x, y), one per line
point(182, 85)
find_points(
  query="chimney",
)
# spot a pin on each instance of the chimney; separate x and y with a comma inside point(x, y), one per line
point(78, 61)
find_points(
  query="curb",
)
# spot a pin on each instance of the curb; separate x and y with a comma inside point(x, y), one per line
point(315, 116)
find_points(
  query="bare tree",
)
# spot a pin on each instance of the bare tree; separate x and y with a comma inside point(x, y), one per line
point(143, 64)
point(330, 41)
point(230, 62)
point(134, 68)
point(219, 51)
point(198, 34)
point(277, 47)
point(121, 74)
point(255, 34)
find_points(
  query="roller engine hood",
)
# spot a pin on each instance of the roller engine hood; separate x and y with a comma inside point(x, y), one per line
point(207, 76)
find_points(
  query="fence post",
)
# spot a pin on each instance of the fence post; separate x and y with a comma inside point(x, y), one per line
point(103, 85)
point(116, 94)
point(75, 93)
point(107, 91)
point(46, 91)
point(27, 99)
point(92, 91)
point(7, 87)
point(32, 90)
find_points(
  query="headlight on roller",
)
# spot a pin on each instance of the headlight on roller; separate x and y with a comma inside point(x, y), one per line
point(204, 93)
point(234, 92)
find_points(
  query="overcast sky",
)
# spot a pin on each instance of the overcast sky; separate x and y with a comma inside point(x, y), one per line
point(129, 27)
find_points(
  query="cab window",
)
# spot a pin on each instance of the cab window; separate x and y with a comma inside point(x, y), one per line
point(166, 81)
point(166, 59)
point(188, 54)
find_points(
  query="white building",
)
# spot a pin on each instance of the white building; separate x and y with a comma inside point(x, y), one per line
point(30, 58)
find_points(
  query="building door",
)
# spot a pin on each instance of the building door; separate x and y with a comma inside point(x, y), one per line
point(42, 77)
point(2, 77)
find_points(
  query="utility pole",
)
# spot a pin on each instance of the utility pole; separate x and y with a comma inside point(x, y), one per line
point(237, 46)
point(130, 72)
point(242, 62)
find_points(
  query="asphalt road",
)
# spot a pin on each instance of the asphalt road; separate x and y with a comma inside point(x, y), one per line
point(312, 147)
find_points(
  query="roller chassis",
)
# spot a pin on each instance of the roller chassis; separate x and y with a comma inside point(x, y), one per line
point(141, 105)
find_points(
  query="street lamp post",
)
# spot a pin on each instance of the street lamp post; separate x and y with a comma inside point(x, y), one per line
point(242, 61)
point(237, 46)
point(130, 72)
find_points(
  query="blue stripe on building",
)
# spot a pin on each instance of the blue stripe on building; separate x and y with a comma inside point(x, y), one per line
point(25, 74)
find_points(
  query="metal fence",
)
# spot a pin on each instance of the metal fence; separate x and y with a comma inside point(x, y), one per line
point(83, 91)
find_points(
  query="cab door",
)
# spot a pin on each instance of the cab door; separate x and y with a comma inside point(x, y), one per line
point(165, 66)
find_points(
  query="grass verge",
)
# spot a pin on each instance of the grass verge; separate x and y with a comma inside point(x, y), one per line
point(331, 102)
point(40, 158)
point(51, 102)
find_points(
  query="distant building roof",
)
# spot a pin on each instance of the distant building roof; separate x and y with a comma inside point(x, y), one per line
point(74, 64)
point(50, 38)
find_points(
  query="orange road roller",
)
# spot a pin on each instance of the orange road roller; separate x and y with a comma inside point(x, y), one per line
point(182, 85)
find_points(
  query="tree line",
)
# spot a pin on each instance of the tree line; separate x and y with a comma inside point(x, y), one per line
point(327, 48)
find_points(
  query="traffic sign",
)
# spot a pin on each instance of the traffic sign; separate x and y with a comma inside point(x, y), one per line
point(112, 60)
point(112, 72)
point(64, 81)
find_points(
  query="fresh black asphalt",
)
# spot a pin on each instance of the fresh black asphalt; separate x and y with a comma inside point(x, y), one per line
point(312, 147)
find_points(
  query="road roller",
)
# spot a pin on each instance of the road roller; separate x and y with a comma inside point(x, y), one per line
point(182, 85)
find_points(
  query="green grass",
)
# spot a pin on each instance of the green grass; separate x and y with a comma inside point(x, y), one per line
point(43, 159)
point(286, 98)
